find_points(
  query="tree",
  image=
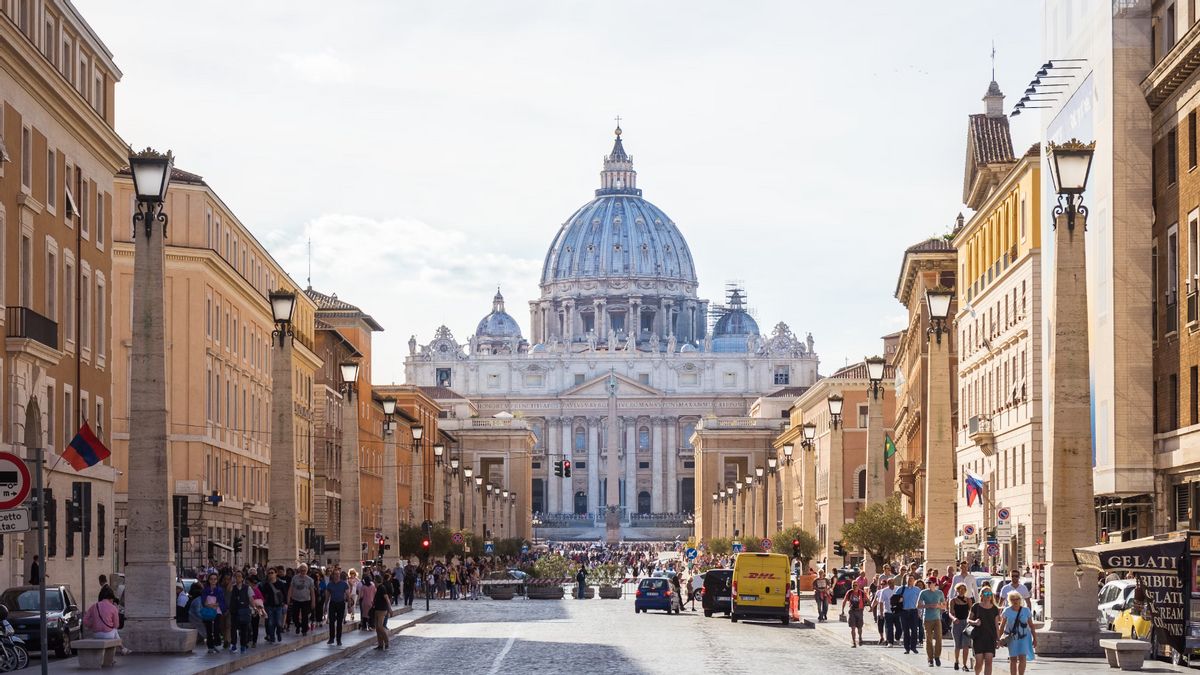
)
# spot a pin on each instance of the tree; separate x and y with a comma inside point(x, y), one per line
point(884, 532)
point(719, 546)
point(781, 542)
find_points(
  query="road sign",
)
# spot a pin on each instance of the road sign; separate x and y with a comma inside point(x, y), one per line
point(16, 520)
point(1004, 531)
point(488, 548)
point(691, 553)
point(457, 538)
point(993, 549)
point(1003, 513)
point(765, 544)
point(524, 548)
point(968, 529)
point(737, 547)
point(14, 481)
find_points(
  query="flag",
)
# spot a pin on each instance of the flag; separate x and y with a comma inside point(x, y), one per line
point(889, 449)
point(85, 449)
point(974, 489)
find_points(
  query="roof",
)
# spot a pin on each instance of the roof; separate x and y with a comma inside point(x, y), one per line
point(332, 306)
point(858, 371)
point(788, 392)
point(931, 251)
point(322, 326)
point(930, 245)
point(990, 139)
point(440, 393)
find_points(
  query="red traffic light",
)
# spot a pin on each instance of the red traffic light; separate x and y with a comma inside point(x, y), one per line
point(795, 542)
point(424, 543)
point(566, 463)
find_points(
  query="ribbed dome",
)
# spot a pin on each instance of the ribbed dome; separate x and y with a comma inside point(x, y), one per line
point(736, 322)
point(498, 324)
point(733, 330)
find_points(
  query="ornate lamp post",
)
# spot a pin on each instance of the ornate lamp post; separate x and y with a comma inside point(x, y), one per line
point(808, 477)
point(391, 473)
point(1070, 617)
point(470, 482)
point(478, 496)
point(876, 474)
point(350, 537)
point(439, 485)
point(418, 474)
point(774, 485)
point(835, 489)
point(281, 538)
point(455, 494)
point(750, 520)
point(940, 520)
point(761, 500)
point(150, 549)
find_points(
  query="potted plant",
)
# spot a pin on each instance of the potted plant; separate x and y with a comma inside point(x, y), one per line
point(608, 576)
point(551, 566)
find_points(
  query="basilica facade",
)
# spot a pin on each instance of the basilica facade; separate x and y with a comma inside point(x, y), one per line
point(618, 303)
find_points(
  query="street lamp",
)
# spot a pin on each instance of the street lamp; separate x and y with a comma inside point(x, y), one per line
point(478, 481)
point(1070, 166)
point(772, 464)
point(467, 471)
point(418, 432)
point(505, 493)
point(835, 402)
point(810, 431)
point(875, 366)
point(938, 300)
point(788, 449)
point(389, 407)
point(283, 303)
point(758, 472)
point(151, 177)
point(349, 372)
point(454, 462)
point(438, 451)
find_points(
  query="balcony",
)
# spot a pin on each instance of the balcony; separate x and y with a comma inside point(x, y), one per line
point(980, 430)
point(727, 423)
point(22, 322)
point(906, 477)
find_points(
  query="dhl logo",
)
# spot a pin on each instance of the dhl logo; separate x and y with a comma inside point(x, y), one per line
point(761, 575)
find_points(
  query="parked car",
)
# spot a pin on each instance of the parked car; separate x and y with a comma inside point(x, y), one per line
point(1113, 598)
point(653, 593)
point(63, 617)
point(845, 577)
point(716, 593)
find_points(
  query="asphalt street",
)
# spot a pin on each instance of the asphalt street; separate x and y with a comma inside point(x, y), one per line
point(602, 636)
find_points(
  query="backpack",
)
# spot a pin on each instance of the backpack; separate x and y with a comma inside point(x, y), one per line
point(897, 600)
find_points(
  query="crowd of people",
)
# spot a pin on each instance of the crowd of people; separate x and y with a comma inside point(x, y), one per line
point(911, 609)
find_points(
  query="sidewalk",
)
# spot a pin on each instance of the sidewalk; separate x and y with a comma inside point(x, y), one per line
point(294, 655)
point(917, 663)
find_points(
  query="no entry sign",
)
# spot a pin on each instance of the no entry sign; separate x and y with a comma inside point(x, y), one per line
point(14, 481)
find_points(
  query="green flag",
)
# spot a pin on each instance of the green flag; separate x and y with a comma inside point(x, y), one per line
point(889, 449)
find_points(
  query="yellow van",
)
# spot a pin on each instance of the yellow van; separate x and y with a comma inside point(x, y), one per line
point(760, 586)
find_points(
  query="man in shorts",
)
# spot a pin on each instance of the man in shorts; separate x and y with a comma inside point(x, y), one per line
point(856, 600)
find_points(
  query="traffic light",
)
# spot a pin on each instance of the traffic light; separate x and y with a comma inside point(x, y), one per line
point(795, 548)
point(838, 549)
point(237, 544)
point(425, 547)
point(558, 469)
point(566, 468)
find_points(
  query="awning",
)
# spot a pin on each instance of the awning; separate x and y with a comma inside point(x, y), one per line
point(218, 544)
point(1090, 556)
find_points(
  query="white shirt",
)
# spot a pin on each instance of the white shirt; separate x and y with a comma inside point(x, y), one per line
point(1018, 587)
point(965, 579)
point(884, 597)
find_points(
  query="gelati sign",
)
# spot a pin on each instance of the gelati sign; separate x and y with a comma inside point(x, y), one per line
point(1159, 566)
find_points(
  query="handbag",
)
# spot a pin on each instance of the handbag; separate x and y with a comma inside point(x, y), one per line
point(208, 613)
point(969, 631)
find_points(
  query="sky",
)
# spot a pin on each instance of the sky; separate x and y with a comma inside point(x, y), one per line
point(432, 150)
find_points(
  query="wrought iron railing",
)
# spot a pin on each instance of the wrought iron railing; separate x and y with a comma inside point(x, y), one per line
point(22, 322)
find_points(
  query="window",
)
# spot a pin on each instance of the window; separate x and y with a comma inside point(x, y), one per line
point(782, 375)
point(85, 309)
point(1172, 294)
point(99, 219)
point(729, 379)
point(26, 157)
point(643, 378)
point(1191, 126)
point(580, 439)
point(1170, 28)
point(1174, 412)
point(1193, 395)
point(208, 316)
point(26, 268)
point(67, 59)
point(643, 438)
point(863, 415)
point(51, 179)
point(1172, 157)
point(493, 380)
point(860, 484)
point(1154, 290)
point(51, 285)
point(68, 416)
point(579, 378)
point(101, 319)
point(1193, 252)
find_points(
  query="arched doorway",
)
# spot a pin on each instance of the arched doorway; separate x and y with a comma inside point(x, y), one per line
point(580, 503)
point(643, 502)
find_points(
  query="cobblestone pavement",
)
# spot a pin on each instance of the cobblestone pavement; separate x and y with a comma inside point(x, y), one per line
point(602, 636)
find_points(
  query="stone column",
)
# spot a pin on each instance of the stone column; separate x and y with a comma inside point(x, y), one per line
point(633, 322)
point(656, 466)
point(808, 490)
point(770, 495)
point(150, 549)
point(391, 476)
point(455, 486)
point(350, 538)
point(477, 506)
point(553, 486)
point(598, 320)
point(787, 476)
point(1071, 626)
point(672, 463)
point(836, 492)
point(281, 537)
point(569, 332)
point(593, 467)
point(876, 474)
point(631, 463)
point(940, 488)
point(439, 492)
point(417, 457)
point(566, 484)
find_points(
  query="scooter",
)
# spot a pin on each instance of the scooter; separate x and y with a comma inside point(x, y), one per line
point(13, 653)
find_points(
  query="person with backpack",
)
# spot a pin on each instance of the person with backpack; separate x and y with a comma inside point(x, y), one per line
point(273, 604)
point(1016, 630)
point(212, 605)
point(856, 600)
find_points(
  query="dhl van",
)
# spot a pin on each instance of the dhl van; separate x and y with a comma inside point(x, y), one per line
point(760, 586)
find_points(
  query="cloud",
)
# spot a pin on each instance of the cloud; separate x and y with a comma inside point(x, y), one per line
point(323, 67)
point(410, 276)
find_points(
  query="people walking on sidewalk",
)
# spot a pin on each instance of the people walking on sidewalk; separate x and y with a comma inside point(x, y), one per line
point(960, 610)
point(239, 612)
point(932, 601)
point(908, 618)
point(273, 604)
point(821, 595)
point(856, 600)
point(410, 584)
point(352, 597)
point(581, 582)
point(368, 601)
point(212, 605)
point(884, 616)
point(336, 592)
point(381, 610)
point(302, 597)
point(984, 619)
point(1016, 627)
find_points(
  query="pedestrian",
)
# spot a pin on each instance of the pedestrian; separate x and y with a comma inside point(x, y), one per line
point(258, 611)
point(239, 612)
point(581, 581)
point(882, 605)
point(181, 604)
point(102, 617)
point(1014, 585)
point(410, 584)
point(368, 601)
point(302, 597)
point(336, 593)
point(909, 594)
point(319, 612)
point(352, 599)
point(960, 610)
point(212, 605)
point(381, 610)
point(35, 574)
point(984, 620)
point(821, 595)
point(932, 601)
point(1016, 627)
point(856, 600)
point(273, 605)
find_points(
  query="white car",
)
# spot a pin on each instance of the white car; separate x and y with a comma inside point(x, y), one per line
point(1114, 596)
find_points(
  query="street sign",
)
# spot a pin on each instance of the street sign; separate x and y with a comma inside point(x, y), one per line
point(993, 549)
point(737, 547)
point(457, 538)
point(765, 544)
point(488, 548)
point(1004, 531)
point(1003, 513)
point(16, 520)
point(524, 548)
point(968, 529)
point(14, 481)
point(691, 553)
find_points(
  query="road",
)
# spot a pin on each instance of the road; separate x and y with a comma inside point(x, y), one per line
point(602, 636)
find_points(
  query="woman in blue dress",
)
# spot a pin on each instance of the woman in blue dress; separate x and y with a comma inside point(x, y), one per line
point(1016, 629)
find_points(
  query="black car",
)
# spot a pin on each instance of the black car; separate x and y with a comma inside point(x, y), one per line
point(63, 618)
point(845, 578)
point(717, 592)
